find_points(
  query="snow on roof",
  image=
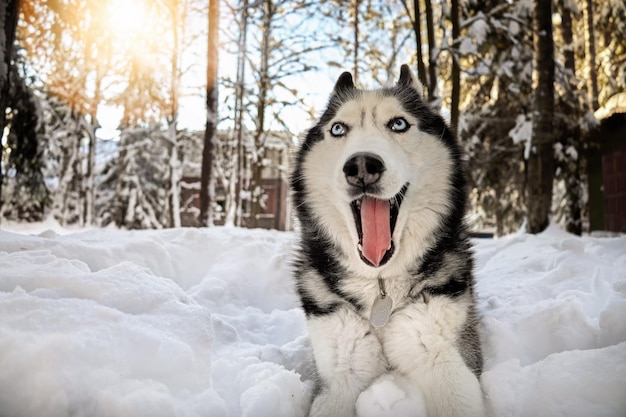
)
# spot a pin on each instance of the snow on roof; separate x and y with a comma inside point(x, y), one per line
point(615, 104)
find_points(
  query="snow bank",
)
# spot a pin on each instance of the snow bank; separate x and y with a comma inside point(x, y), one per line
point(192, 322)
point(553, 308)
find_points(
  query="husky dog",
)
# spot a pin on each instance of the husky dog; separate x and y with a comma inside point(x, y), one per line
point(384, 267)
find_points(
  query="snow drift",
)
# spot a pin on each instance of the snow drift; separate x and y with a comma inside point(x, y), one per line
point(205, 322)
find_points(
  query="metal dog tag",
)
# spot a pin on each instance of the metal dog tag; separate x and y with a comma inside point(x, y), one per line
point(381, 310)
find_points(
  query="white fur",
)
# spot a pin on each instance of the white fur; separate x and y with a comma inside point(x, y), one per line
point(419, 342)
point(419, 345)
point(348, 355)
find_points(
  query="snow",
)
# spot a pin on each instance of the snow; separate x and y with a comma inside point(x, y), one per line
point(522, 132)
point(479, 29)
point(467, 47)
point(205, 322)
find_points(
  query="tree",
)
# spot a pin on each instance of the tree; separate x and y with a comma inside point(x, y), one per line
point(540, 173)
point(496, 56)
point(134, 186)
point(456, 66)
point(373, 43)
point(27, 195)
point(152, 90)
point(68, 44)
point(570, 126)
point(210, 134)
point(280, 55)
point(432, 53)
point(269, 57)
point(177, 13)
point(476, 56)
point(426, 74)
point(235, 212)
point(609, 34)
point(8, 20)
point(590, 44)
point(416, 24)
point(355, 30)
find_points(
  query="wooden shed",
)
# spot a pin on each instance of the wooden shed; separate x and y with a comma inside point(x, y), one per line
point(607, 168)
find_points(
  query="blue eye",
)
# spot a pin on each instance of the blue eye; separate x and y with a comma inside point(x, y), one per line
point(338, 130)
point(398, 124)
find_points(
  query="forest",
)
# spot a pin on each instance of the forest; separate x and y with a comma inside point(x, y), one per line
point(167, 113)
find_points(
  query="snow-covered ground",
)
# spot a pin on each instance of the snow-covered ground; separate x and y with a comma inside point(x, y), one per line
point(205, 322)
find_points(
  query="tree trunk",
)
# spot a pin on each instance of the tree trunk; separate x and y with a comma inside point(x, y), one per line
point(8, 20)
point(77, 181)
point(499, 212)
point(432, 59)
point(417, 30)
point(67, 199)
point(569, 56)
point(355, 10)
point(89, 203)
point(541, 160)
point(239, 87)
point(93, 104)
point(262, 104)
point(571, 135)
point(210, 133)
point(89, 174)
point(172, 120)
point(174, 167)
point(456, 68)
point(590, 45)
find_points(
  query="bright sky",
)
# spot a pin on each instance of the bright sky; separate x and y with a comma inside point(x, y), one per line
point(131, 19)
point(315, 86)
point(192, 115)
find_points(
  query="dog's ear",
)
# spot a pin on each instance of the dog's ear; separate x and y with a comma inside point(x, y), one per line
point(408, 79)
point(344, 83)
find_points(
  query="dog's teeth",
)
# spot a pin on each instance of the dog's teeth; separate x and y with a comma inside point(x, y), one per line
point(360, 247)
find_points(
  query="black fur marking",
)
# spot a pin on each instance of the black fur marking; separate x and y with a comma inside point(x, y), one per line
point(322, 260)
point(312, 307)
point(344, 83)
point(406, 79)
point(455, 287)
point(316, 254)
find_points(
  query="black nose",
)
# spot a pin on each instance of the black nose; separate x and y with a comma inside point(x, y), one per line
point(363, 169)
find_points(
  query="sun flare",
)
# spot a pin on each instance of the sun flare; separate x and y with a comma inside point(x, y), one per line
point(133, 23)
point(126, 16)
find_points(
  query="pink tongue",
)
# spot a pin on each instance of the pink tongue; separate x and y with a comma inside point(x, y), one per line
point(376, 229)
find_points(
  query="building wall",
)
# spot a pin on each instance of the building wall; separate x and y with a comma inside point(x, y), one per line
point(614, 178)
point(606, 165)
point(275, 216)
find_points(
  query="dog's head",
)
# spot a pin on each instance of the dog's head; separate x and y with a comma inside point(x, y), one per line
point(378, 175)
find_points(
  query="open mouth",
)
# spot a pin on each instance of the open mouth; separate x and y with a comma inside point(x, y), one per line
point(375, 222)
